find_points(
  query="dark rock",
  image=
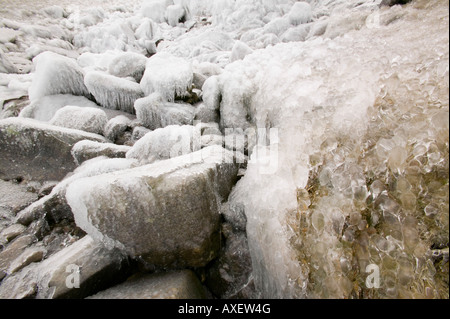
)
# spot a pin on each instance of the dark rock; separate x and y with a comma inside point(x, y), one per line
point(393, 2)
point(36, 151)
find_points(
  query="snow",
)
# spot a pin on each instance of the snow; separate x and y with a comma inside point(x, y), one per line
point(56, 74)
point(167, 75)
point(113, 92)
point(87, 119)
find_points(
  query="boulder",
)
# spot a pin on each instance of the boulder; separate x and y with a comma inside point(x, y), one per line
point(113, 92)
point(88, 119)
point(86, 149)
point(164, 143)
point(37, 151)
point(182, 284)
point(167, 213)
point(300, 13)
point(128, 64)
point(168, 75)
point(116, 127)
point(153, 112)
point(56, 74)
point(77, 271)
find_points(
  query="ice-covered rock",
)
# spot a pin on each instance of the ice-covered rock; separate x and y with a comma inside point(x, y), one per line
point(56, 74)
point(155, 9)
point(239, 51)
point(139, 132)
point(128, 64)
point(298, 33)
point(88, 119)
point(173, 207)
point(165, 143)
point(85, 150)
point(181, 284)
point(86, 264)
point(113, 92)
point(37, 151)
point(300, 13)
point(153, 112)
point(5, 64)
point(116, 127)
point(205, 114)
point(175, 14)
point(167, 75)
point(278, 26)
point(54, 205)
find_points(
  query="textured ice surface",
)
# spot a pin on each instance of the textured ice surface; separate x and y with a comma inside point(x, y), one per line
point(85, 150)
point(153, 112)
point(56, 74)
point(113, 92)
point(128, 64)
point(164, 143)
point(167, 75)
point(87, 119)
point(300, 13)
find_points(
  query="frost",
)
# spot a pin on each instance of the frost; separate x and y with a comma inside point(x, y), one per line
point(56, 74)
point(167, 75)
point(113, 92)
point(87, 119)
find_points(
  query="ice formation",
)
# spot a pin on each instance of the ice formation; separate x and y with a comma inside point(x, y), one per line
point(87, 119)
point(167, 75)
point(56, 74)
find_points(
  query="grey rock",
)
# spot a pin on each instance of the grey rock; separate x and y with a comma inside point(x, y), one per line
point(139, 132)
point(231, 272)
point(12, 232)
point(173, 206)
point(393, 2)
point(37, 151)
point(14, 196)
point(182, 284)
point(96, 267)
point(28, 256)
point(85, 150)
point(116, 127)
point(13, 250)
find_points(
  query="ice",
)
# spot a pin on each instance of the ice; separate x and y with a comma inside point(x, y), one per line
point(87, 119)
point(300, 13)
point(44, 108)
point(175, 14)
point(113, 92)
point(167, 75)
point(128, 64)
point(239, 51)
point(277, 26)
point(164, 143)
point(153, 112)
point(5, 64)
point(298, 33)
point(155, 9)
point(56, 74)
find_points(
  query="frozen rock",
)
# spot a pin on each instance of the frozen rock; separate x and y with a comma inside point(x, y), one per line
point(112, 92)
point(13, 251)
point(205, 114)
point(318, 28)
point(55, 12)
point(167, 75)
point(128, 64)
point(173, 207)
point(85, 264)
point(239, 51)
point(37, 151)
point(36, 49)
point(393, 2)
point(175, 14)
point(54, 205)
point(116, 127)
point(85, 150)
point(181, 284)
point(164, 143)
point(153, 112)
point(44, 108)
point(139, 132)
point(278, 26)
point(56, 74)
point(211, 139)
point(300, 13)
point(298, 33)
point(88, 119)
point(8, 35)
point(5, 64)
point(211, 93)
point(155, 10)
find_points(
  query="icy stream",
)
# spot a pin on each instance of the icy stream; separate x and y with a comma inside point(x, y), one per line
point(354, 98)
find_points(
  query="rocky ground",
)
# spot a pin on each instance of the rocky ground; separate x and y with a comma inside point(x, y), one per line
point(127, 135)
